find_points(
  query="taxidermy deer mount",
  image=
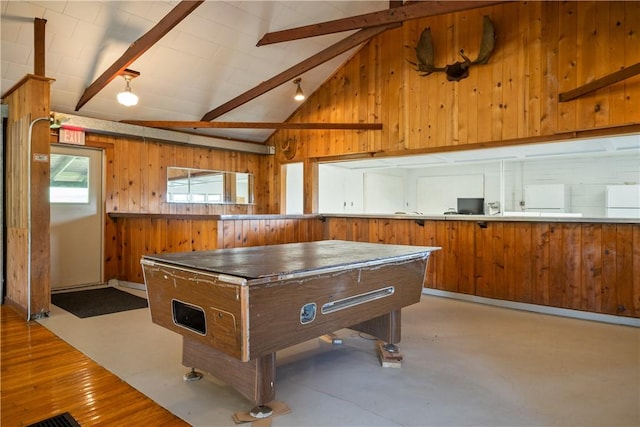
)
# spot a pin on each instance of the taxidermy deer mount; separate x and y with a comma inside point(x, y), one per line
point(458, 70)
point(289, 148)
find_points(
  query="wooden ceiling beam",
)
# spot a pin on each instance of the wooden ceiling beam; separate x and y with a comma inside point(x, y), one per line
point(38, 46)
point(170, 124)
point(138, 47)
point(298, 69)
point(607, 80)
point(413, 10)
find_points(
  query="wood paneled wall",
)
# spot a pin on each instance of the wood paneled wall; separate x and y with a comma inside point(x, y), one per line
point(136, 183)
point(140, 235)
point(582, 266)
point(542, 49)
point(136, 178)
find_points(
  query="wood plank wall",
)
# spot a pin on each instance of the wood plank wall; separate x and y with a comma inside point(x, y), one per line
point(582, 266)
point(136, 183)
point(136, 180)
point(542, 49)
point(140, 235)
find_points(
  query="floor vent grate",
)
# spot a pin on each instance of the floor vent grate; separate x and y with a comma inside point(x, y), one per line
point(61, 420)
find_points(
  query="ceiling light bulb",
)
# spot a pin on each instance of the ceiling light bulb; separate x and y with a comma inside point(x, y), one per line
point(299, 96)
point(126, 97)
point(56, 120)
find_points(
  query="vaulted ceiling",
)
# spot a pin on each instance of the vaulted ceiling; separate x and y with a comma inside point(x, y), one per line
point(209, 58)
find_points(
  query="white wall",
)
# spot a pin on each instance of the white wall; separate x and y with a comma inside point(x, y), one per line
point(339, 188)
point(344, 190)
point(585, 177)
point(384, 191)
point(449, 183)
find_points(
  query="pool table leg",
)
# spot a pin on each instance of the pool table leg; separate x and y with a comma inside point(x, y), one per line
point(254, 379)
point(385, 327)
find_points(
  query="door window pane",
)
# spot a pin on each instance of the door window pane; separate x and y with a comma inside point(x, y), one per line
point(69, 179)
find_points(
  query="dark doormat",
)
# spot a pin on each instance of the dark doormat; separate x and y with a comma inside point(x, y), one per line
point(96, 302)
point(62, 420)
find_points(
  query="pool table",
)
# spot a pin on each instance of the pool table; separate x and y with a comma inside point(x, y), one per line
point(235, 308)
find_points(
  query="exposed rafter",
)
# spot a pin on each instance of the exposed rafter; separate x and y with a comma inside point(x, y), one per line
point(399, 14)
point(607, 80)
point(138, 47)
point(168, 124)
point(300, 68)
point(38, 46)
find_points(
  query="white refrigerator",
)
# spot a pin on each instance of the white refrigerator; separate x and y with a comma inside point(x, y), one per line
point(623, 201)
point(547, 198)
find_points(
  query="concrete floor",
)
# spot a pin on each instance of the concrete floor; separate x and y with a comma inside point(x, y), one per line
point(464, 364)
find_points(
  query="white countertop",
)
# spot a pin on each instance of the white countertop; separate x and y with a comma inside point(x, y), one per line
point(526, 217)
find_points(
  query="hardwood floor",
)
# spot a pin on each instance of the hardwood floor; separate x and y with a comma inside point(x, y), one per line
point(43, 376)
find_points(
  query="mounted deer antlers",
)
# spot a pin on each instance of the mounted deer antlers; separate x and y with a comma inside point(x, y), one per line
point(458, 70)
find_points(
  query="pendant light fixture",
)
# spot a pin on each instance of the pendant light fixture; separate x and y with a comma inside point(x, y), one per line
point(299, 96)
point(56, 121)
point(127, 97)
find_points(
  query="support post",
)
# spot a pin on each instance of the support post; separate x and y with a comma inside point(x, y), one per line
point(27, 193)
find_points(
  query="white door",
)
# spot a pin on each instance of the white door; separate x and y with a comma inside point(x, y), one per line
point(294, 188)
point(76, 216)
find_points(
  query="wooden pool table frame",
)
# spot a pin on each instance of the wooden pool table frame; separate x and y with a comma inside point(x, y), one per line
point(251, 301)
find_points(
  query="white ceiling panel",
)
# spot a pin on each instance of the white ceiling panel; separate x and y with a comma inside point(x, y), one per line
point(82, 11)
point(25, 10)
point(59, 23)
point(14, 53)
point(205, 61)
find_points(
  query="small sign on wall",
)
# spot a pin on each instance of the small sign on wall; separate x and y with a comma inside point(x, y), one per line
point(70, 136)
